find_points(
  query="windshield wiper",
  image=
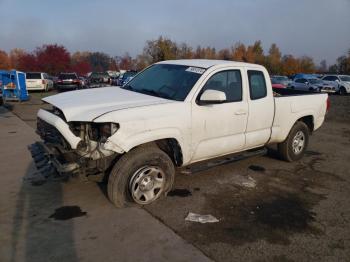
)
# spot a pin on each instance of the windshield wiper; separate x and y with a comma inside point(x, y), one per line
point(155, 93)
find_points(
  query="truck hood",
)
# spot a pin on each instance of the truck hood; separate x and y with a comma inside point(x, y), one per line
point(86, 105)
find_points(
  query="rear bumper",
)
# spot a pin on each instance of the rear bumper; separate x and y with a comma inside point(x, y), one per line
point(36, 87)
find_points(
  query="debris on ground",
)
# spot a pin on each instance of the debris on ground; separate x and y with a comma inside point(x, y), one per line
point(250, 182)
point(193, 217)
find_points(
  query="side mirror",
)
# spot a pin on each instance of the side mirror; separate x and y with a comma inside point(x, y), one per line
point(212, 97)
point(307, 83)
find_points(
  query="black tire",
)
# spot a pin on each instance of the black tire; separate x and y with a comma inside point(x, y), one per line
point(342, 91)
point(285, 149)
point(119, 179)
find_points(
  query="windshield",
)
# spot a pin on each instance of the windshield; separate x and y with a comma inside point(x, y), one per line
point(67, 76)
point(167, 81)
point(345, 78)
point(281, 78)
point(97, 74)
point(315, 81)
point(33, 75)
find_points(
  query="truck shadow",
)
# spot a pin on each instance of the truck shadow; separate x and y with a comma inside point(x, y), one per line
point(37, 235)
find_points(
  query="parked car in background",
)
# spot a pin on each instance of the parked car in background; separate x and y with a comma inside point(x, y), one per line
point(98, 79)
point(114, 80)
point(83, 81)
point(1, 99)
point(276, 84)
point(283, 80)
point(38, 81)
point(308, 84)
point(302, 75)
point(126, 77)
point(338, 83)
point(68, 81)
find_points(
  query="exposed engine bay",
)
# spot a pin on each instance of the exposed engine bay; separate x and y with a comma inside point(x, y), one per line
point(90, 159)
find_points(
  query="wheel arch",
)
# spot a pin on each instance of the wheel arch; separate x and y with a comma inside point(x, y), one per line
point(170, 146)
point(309, 121)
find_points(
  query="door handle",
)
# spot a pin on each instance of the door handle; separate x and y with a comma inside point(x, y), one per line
point(241, 112)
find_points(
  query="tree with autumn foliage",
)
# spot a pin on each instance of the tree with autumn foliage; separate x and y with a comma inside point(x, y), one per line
point(4, 60)
point(80, 63)
point(273, 60)
point(28, 62)
point(52, 59)
point(15, 56)
point(238, 52)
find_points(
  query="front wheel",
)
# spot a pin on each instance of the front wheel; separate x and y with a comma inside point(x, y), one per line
point(141, 176)
point(293, 148)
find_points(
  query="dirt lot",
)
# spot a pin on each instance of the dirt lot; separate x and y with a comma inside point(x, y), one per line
point(290, 212)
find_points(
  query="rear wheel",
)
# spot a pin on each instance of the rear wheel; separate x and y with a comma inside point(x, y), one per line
point(141, 176)
point(293, 148)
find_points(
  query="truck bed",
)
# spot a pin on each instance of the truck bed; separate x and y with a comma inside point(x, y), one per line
point(292, 92)
point(292, 105)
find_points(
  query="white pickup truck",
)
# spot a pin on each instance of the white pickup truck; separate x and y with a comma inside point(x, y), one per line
point(172, 114)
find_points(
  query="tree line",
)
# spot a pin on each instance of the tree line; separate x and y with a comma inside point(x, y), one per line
point(54, 58)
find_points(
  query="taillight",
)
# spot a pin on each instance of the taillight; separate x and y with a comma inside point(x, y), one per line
point(44, 82)
point(328, 103)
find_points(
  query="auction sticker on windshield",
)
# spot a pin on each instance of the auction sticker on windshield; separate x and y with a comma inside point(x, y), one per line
point(196, 70)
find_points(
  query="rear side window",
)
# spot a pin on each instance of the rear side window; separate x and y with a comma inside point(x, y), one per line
point(257, 84)
point(229, 82)
point(33, 75)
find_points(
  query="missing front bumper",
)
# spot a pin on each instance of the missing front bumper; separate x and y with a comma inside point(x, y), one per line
point(48, 163)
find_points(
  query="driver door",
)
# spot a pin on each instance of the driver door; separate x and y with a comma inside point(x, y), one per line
point(219, 128)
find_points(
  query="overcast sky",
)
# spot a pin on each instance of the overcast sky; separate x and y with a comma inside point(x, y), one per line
point(319, 28)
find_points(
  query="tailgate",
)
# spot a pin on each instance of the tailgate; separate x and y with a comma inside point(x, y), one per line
point(33, 82)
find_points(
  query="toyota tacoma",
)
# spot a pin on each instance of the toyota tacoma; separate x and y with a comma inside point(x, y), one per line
point(171, 115)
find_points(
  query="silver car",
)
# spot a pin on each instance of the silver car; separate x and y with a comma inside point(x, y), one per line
point(308, 84)
point(338, 83)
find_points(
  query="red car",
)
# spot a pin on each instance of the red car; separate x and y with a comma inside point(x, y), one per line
point(276, 84)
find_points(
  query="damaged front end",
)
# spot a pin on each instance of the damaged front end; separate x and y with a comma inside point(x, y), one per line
point(72, 148)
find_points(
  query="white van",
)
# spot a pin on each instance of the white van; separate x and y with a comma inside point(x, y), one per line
point(38, 81)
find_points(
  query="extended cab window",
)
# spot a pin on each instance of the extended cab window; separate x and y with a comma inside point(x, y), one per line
point(257, 84)
point(229, 82)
